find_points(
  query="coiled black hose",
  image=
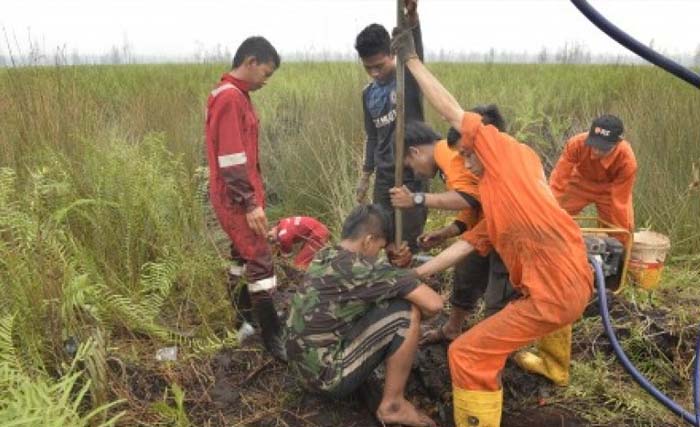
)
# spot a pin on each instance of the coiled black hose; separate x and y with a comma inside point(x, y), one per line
point(632, 44)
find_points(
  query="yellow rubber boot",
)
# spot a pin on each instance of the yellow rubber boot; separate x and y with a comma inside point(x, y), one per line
point(477, 408)
point(552, 359)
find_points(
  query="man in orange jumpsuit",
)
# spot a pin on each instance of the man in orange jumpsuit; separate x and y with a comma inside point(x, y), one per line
point(476, 275)
point(598, 167)
point(539, 243)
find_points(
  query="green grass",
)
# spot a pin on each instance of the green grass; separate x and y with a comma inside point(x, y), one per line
point(603, 391)
point(103, 234)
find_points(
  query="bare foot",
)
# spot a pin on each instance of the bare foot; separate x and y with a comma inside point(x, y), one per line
point(402, 412)
point(443, 333)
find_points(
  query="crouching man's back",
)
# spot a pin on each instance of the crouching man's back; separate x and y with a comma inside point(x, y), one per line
point(341, 288)
point(354, 311)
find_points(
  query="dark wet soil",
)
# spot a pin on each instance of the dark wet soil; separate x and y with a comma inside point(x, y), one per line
point(250, 389)
point(246, 387)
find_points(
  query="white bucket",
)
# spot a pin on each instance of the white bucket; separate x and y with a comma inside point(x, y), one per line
point(649, 252)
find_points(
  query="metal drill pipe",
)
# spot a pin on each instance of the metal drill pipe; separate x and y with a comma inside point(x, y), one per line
point(399, 134)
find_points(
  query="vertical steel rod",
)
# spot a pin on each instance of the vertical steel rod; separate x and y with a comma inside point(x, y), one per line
point(400, 126)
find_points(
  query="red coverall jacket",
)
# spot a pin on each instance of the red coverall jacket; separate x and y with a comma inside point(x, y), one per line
point(308, 231)
point(236, 185)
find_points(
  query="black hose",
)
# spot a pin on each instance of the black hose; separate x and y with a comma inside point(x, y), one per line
point(627, 364)
point(694, 79)
point(632, 44)
point(696, 383)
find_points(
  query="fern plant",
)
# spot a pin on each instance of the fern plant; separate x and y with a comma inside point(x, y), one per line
point(39, 400)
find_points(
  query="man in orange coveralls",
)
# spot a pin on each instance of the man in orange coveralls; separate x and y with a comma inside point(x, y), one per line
point(598, 167)
point(539, 243)
point(476, 276)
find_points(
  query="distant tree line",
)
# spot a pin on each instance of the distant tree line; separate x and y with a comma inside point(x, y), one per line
point(569, 53)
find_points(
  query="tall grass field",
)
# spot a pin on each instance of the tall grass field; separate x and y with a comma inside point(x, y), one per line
point(105, 253)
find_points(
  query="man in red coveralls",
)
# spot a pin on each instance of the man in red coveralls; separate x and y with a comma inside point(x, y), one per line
point(305, 231)
point(236, 185)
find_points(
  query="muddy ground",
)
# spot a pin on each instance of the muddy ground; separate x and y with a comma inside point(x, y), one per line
point(245, 387)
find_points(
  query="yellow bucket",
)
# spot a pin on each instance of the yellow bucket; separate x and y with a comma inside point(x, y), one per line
point(646, 263)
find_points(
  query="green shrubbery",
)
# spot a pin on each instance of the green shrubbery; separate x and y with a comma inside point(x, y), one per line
point(102, 228)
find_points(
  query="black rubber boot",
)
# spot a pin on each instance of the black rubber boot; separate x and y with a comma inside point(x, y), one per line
point(270, 327)
point(240, 300)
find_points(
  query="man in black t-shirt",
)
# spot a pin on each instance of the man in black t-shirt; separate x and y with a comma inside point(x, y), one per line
point(379, 106)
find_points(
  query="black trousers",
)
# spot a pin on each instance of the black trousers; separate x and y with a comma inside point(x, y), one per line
point(478, 276)
point(413, 218)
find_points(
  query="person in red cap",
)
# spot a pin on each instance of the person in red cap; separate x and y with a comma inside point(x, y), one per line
point(540, 244)
point(307, 232)
point(236, 186)
point(598, 167)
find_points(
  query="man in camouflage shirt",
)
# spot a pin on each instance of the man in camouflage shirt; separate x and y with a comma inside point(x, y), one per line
point(354, 311)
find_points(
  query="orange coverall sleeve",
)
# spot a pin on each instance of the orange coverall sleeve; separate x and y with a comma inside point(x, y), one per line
point(471, 122)
point(561, 174)
point(621, 195)
point(468, 217)
point(458, 178)
point(478, 237)
point(486, 140)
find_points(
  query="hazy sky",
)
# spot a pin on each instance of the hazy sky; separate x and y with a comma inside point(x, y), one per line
point(181, 27)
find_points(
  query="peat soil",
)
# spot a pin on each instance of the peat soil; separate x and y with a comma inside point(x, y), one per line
point(244, 386)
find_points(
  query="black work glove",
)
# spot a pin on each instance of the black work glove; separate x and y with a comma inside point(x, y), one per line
point(402, 44)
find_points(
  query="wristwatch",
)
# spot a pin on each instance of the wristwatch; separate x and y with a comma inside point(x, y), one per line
point(419, 199)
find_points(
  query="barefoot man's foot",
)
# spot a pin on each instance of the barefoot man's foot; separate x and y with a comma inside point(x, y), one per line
point(402, 412)
point(442, 333)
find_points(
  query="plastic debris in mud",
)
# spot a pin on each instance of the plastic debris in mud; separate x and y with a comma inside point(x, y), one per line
point(166, 354)
point(245, 331)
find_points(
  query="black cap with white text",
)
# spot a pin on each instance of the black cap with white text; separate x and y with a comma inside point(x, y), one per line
point(606, 131)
